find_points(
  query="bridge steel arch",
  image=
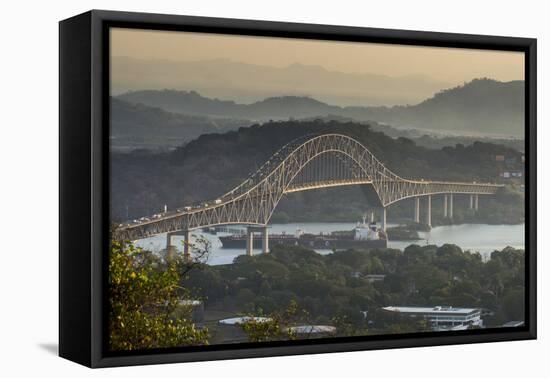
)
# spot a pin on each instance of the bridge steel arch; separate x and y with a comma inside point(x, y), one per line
point(254, 201)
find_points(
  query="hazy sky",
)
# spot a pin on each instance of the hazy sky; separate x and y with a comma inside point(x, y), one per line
point(144, 59)
point(445, 64)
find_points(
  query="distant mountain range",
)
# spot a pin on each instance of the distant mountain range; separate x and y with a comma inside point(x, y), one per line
point(247, 83)
point(480, 107)
point(194, 103)
point(142, 126)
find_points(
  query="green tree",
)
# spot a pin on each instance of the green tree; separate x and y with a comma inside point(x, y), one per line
point(143, 297)
point(277, 326)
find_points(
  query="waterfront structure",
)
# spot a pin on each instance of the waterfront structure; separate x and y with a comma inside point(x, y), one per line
point(307, 163)
point(442, 318)
point(364, 235)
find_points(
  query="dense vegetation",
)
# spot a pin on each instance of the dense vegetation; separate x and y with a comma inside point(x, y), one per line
point(435, 139)
point(438, 142)
point(142, 181)
point(336, 287)
point(141, 126)
point(294, 286)
point(145, 308)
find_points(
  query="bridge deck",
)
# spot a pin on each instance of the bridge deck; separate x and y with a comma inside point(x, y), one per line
point(255, 199)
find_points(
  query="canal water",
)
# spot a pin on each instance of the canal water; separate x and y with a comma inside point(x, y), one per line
point(482, 238)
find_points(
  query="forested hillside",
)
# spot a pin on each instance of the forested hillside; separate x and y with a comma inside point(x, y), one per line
point(482, 106)
point(141, 126)
point(205, 168)
point(337, 286)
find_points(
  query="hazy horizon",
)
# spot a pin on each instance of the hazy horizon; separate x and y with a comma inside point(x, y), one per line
point(247, 69)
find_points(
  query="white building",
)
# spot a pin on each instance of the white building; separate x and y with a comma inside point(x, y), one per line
point(442, 318)
point(243, 319)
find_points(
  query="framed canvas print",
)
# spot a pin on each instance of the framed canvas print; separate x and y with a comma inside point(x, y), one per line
point(234, 188)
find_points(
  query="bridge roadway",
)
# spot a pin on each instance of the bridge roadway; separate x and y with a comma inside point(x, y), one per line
point(307, 163)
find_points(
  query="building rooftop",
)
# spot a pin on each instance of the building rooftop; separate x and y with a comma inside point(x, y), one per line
point(243, 319)
point(190, 302)
point(431, 310)
point(307, 329)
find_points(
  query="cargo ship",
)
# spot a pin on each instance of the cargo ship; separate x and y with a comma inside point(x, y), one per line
point(364, 235)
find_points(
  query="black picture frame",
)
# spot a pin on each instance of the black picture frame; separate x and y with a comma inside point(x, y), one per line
point(84, 185)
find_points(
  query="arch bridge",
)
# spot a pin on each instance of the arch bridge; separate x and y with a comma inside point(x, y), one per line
point(307, 163)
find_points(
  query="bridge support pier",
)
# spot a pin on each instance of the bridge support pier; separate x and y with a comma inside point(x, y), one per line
point(451, 205)
point(429, 211)
point(249, 241)
point(471, 201)
point(476, 202)
point(383, 218)
point(186, 245)
point(170, 249)
point(417, 209)
point(445, 201)
point(265, 240)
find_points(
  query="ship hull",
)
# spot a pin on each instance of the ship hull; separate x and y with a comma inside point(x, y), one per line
point(317, 243)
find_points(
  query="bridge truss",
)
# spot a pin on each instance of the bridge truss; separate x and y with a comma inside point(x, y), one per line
point(307, 163)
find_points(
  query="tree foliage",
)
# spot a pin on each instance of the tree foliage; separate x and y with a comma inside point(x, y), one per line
point(338, 289)
point(276, 326)
point(143, 297)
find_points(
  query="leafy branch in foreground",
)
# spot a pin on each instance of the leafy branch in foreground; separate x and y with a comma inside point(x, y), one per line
point(277, 326)
point(200, 252)
point(143, 297)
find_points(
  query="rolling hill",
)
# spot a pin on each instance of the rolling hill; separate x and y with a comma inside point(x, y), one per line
point(480, 107)
point(212, 164)
point(141, 126)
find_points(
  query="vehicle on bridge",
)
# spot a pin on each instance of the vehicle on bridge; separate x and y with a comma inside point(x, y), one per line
point(307, 163)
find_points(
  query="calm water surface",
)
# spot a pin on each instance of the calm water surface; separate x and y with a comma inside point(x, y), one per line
point(482, 238)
